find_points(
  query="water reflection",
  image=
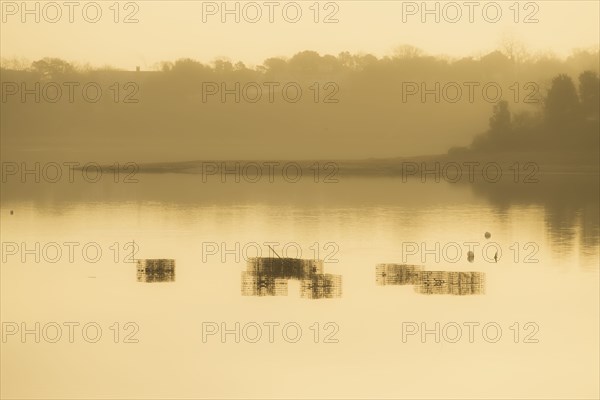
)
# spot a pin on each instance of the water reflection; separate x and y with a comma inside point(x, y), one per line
point(431, 282)
point(156, 270)
point(268, 276)
point(570, 203)
point(397, 274)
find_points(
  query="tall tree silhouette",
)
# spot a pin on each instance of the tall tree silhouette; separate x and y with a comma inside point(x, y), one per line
point(500, 121)
point(562, 106)
point(589, 92)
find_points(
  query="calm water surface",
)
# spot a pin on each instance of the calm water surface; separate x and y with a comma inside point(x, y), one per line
point(551, 281)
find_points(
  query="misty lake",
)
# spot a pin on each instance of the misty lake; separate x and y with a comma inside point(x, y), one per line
point(543, 290)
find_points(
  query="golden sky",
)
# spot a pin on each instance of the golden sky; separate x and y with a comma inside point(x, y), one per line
point(168, 30)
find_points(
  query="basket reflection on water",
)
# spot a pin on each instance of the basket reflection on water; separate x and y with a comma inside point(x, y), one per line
point(156, 270)
point(430, 282)
point(266, 276)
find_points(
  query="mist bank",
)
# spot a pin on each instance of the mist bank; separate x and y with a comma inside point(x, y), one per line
point(445, 166)
point(309, 106)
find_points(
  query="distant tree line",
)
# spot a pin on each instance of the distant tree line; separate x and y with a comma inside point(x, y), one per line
point(566, 120)
point(370, 118)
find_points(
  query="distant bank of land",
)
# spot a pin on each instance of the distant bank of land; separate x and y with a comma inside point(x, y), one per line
point(548, 163)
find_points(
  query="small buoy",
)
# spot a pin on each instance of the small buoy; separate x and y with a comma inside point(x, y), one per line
point(11, 212)
point(488, 235)
point(470, 256)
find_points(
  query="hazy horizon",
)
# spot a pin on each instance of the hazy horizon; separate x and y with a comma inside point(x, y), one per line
point(168, 33)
